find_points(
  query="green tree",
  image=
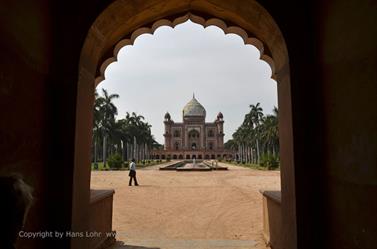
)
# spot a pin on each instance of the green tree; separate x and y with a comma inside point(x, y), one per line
point(136, 136)
point(97, 123)
point(253, 120)
point(256, 132)
point(108, 112)
point(269, 133)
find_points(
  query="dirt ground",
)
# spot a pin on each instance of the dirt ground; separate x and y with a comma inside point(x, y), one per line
point(185, 210)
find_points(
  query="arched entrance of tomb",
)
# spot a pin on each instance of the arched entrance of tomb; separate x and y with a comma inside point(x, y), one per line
point(119, 25)
point(194, 139)
point(210, 145)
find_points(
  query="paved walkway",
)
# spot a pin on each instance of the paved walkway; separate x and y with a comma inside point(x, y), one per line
point(182, 210)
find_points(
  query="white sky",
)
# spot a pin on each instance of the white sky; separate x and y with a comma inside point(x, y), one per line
point(160, 72)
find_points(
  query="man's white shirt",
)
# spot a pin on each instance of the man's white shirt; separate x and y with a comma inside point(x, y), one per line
point(133, 166)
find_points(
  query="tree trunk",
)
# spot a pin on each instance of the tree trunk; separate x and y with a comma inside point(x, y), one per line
point(122, 149)
point(239, 152)
point(95, 150)
point(258, 156)
point(127, 151)
point(243, 152)
point(241, 156)
point(104, 151)
point(135, 149)
point(131, 155)
point(246, 154)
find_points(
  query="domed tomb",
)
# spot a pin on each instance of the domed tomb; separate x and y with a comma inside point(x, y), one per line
point(194, 108)
point(193, 137)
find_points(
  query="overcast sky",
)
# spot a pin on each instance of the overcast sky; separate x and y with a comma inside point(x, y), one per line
point(160, 73)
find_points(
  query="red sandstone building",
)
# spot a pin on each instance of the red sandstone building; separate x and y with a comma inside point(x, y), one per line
point(193, 138)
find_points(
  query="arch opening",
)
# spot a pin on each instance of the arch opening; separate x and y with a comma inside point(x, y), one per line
point(92, 70)
point(248, 40)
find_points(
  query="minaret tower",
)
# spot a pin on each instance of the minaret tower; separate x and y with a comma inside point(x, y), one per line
point(220, 130)
point(168, 136)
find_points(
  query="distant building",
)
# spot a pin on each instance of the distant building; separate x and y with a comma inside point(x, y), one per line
point(193, 138)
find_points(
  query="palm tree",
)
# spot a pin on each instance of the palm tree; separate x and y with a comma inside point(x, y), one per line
point(97, 118)
point(275, 111)
point(257, 131)
point(253, 119)
point(240, 136)
point(138, 136)
point(270, 131)
point(109, 111)
point(125, 137)
point(128, 136)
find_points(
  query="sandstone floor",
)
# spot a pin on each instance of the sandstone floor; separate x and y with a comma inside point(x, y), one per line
point(186, 210)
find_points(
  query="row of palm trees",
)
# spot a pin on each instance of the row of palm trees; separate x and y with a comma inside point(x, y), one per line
point(130, 137)
point(257, 135)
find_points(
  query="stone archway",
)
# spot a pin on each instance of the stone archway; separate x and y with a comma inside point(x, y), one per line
point(194, 139)
point(121, 23)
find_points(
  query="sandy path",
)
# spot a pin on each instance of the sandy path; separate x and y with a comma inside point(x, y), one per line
point(179, 210)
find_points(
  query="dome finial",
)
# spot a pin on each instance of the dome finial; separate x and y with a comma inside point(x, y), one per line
point(193, 95)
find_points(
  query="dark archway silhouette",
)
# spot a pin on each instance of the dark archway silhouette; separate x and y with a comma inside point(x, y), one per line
point(120, 31)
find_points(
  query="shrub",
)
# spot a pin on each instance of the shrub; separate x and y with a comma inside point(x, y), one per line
point(269, 161)
point(115, 161)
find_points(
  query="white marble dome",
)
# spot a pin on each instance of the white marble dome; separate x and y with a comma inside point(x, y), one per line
point(194, 108)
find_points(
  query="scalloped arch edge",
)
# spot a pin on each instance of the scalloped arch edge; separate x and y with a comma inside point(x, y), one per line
point(196, 19)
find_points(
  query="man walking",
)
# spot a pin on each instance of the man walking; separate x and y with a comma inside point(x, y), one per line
point(132, 173)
